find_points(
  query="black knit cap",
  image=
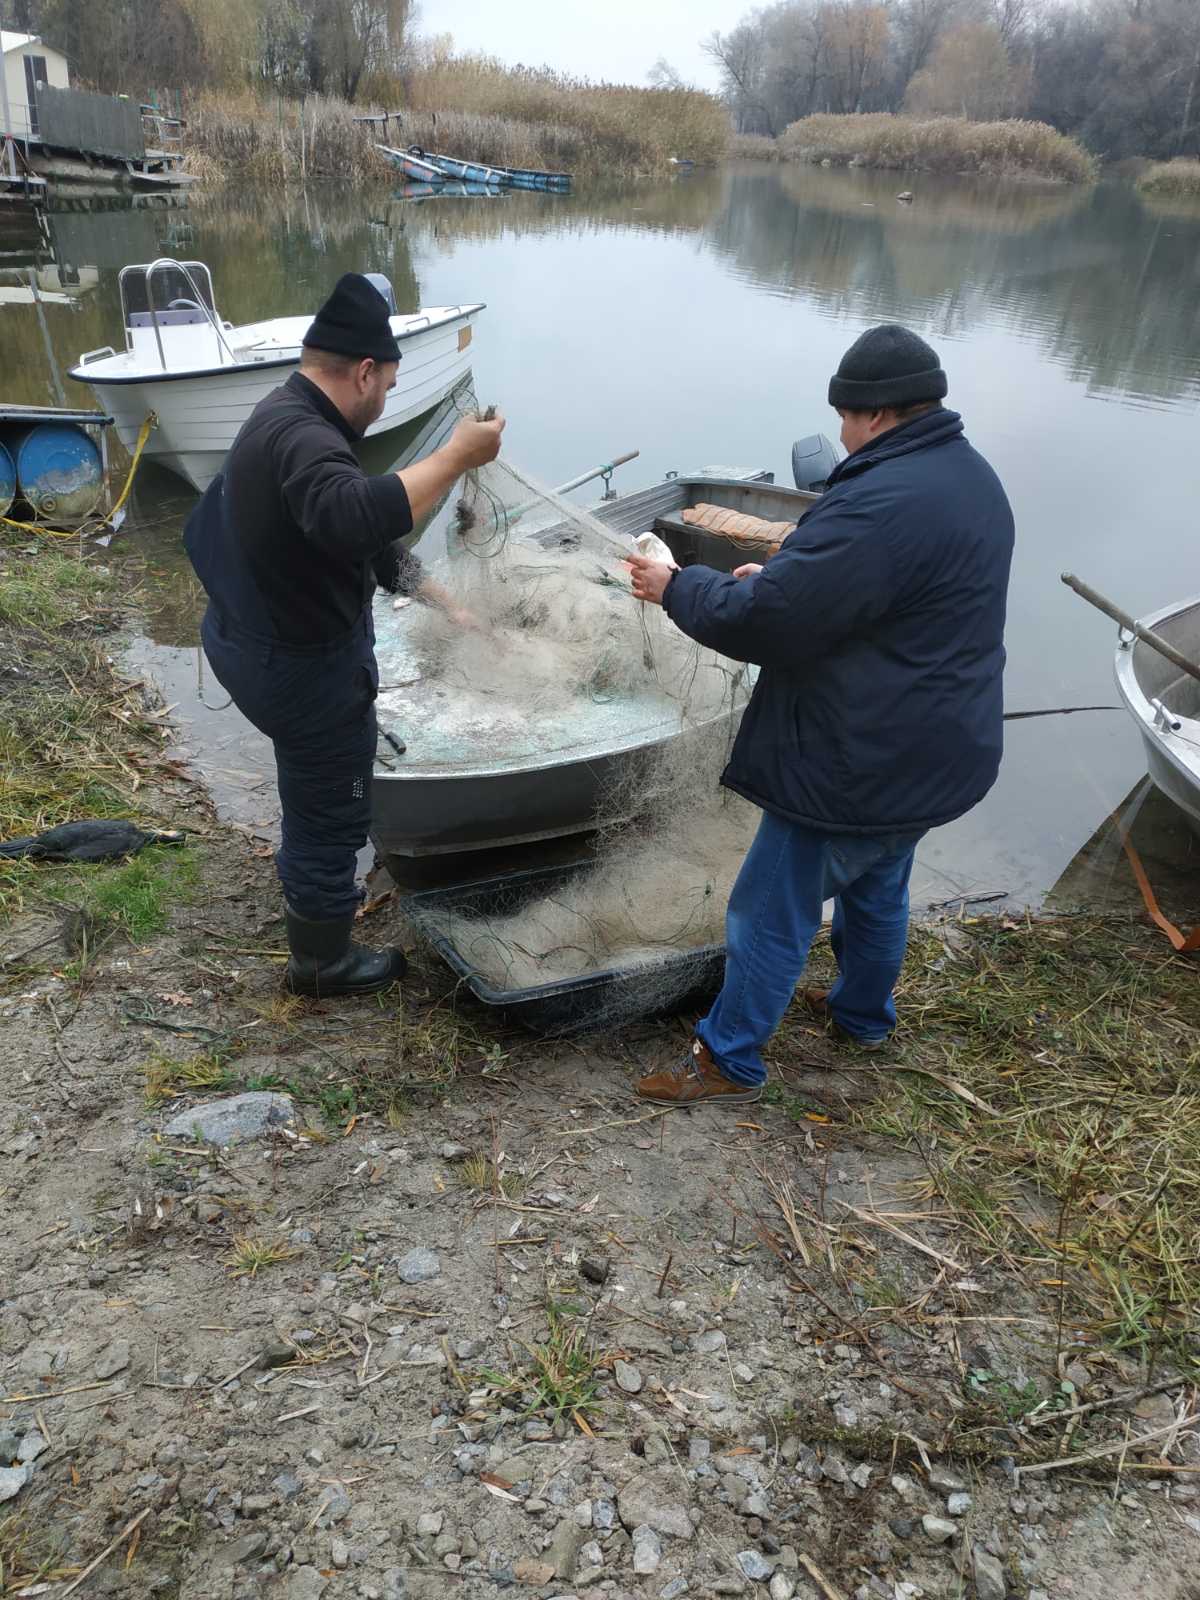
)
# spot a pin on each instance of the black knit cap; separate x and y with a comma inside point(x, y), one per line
point(354, 322)
point(887, 366)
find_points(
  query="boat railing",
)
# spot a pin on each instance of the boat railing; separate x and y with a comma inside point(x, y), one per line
point(200, 301)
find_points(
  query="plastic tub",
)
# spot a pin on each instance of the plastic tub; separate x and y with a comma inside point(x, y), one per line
point(679, 981)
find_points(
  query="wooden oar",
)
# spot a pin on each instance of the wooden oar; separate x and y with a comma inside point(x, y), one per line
point(1132, 625)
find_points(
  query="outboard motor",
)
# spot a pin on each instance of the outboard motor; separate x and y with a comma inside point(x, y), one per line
point(813, 459)
point(384, 285)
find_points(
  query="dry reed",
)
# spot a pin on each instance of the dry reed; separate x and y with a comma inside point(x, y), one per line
point(1012, 148)
point(1175, 180)
point(754, 147)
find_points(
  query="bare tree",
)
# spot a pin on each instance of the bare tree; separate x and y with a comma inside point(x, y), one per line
point(663, 75)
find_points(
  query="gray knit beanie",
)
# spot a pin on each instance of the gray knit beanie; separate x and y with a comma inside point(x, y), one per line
point(887, 366)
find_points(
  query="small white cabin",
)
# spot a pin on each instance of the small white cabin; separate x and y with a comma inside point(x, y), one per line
point(27, 62)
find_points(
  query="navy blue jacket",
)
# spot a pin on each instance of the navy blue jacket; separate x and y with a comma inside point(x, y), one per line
point(879, 628)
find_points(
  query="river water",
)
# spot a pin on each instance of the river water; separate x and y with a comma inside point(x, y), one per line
point(697, 320)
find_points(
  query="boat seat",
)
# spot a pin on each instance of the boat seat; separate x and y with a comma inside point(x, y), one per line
point(736, 525)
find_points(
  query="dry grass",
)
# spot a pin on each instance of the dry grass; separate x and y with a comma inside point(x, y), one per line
point(251, 1256)
point(465, 106)
point(940, 144)
point(478, 1173)
point(1173, 180)
point(167, 1076)
point(754, 147)
point(1079, 1037)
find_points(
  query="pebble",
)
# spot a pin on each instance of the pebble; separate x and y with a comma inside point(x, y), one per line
point(628, 1377)
point(306, 1583)
point(782, 1587)
point(454, 1152)
point(332, 1507)
point(563, 1550)
point(674, 1589)
point(755, 1505)
point(595, 1269)
point(31, 1447)
point(945, 1479)
point(532, 1572)
point(537, 1431)
point(937, 1529)
point(743, 1373)
point(729, 1586)
point(245, 1549)
point(958, 1504)
point(903, 1527)
point(845, 1416)
point(113, 1359)
point(230, 1121)
point(287, 1485)
point(647, 1551)
point(591, 1555)
point(419, 1265)
point(429, 1524)
point(339, 1554)
point(708, 1344)
point(754, 1565)
point(9, 1445)
point(12, 1481)
point(604, 1515)
point(989, 1575)
point(650, 1500)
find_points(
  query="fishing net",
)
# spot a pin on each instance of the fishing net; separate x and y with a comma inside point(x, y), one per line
point(559, 651)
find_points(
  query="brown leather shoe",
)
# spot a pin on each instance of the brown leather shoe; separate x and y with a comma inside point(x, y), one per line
point(694, 1079)
point(817, 1001)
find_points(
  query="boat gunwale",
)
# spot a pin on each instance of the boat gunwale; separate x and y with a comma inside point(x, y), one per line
point(1137, 703)
point(90, 375)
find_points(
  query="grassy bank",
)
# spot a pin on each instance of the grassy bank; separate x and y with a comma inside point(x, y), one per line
point(939, 144)
point(754, 147)
point(75, 741)
point(1048, 1076)
point(1172, 180)
point(468, 107)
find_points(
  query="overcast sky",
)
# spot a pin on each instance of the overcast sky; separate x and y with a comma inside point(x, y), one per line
point(615, 39)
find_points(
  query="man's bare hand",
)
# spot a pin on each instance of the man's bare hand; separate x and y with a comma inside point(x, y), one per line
point(650, 578)
point(474, 443)
point(750, 570)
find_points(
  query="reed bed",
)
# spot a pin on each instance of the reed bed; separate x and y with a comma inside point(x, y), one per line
point(1012, 148)
point(464, 106)
point(754, 147)
point(1173, 180)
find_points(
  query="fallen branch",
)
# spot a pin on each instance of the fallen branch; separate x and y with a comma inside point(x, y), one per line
point(819, 1578)
point(1108, 1449)
point(130, 1527)
point(1100, 1405)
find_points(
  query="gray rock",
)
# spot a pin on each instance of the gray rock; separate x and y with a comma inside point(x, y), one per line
point(743, 1373)
point(429, 1524)
point(755, 1505)
point(845, 1416)
point(454, 1152)
point(903, 1527)
point(989, 1575)
point(563, 1550)
point(708, 1344)
point(287, 1485)
point(395, 1583)
point(9, 1445)
point(903, 1486)
point(628, 1377)
point(245, 1549)
point(233, 1120)
point(419, 1265)
point(647, 1551)
point(782, 1587)
point(652, 1499)
point(755, 1565)
point(938, 1529)
point(12, 1481)
point(604, 1515)
point(698, 1450)
point(958, 1504)
point(595, 1269)
point(31, 1447)
point(729, 1586)
point(861, 1476)
point(339, 1554)
point(674, 1589)
point(537, 1431)
point(945, 1480)
point(590, 1554)
point(306, 1583)
point(114, 1359)
point(333, 1507)
point(834, 1469)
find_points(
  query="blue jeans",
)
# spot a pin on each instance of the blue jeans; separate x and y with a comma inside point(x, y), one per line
point(774, 911)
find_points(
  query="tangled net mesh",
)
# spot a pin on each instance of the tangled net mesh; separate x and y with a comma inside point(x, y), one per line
point(556, 628)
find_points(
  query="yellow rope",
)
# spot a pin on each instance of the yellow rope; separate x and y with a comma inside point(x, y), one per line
point(147, 429)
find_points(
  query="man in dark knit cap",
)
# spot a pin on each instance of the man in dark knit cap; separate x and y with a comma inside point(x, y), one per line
point(877, 714)
point(290, 540)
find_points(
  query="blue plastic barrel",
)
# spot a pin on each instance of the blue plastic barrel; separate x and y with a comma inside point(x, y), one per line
point(8, 481)
point(59, 471)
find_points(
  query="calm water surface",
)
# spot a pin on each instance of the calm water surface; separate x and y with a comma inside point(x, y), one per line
point(698, 321)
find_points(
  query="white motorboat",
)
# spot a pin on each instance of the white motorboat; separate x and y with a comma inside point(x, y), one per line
point(1164, 701)
point(202, 377)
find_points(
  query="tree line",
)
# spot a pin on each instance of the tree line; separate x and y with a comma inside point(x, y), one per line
point(295, 46)
point(1123, 76)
